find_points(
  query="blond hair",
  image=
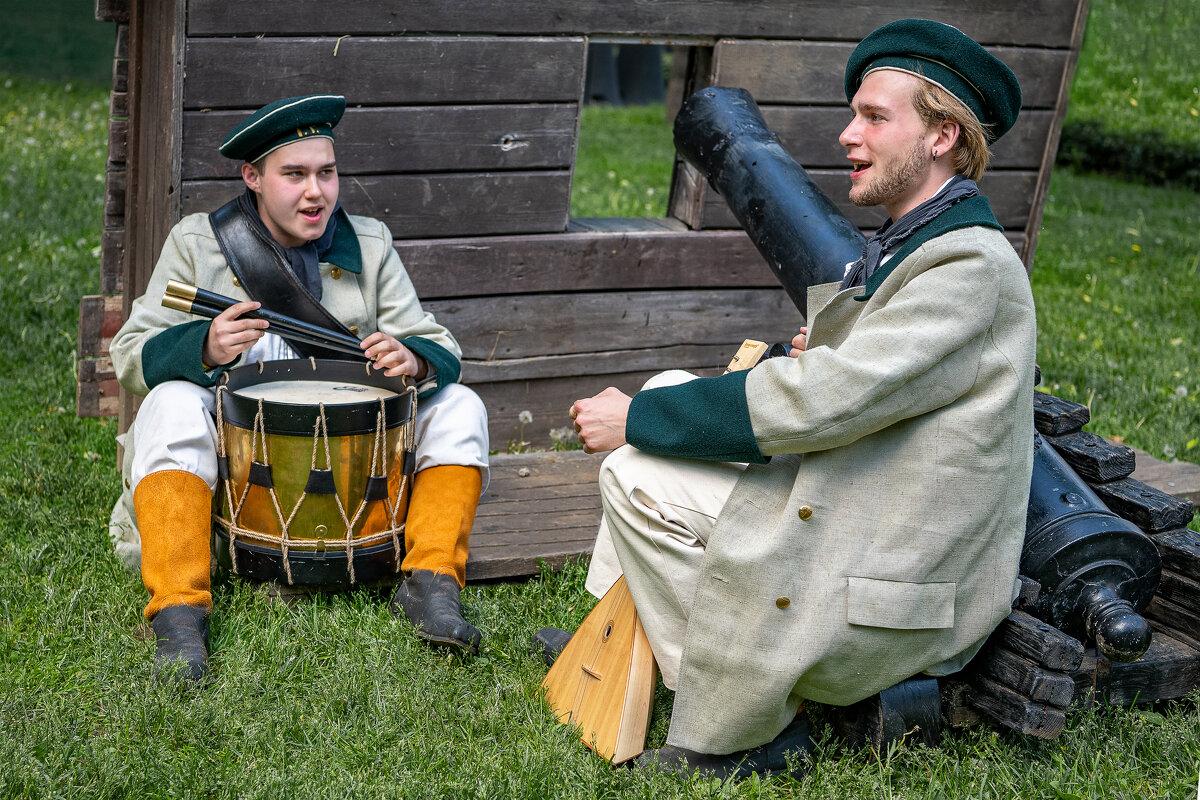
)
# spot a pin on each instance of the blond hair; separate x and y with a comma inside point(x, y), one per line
point(970, 153)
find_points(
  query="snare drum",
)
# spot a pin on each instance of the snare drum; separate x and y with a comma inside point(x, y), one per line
point(313, 460)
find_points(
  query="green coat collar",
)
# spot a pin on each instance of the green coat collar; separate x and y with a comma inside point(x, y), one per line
point(345, 251)
point(964, 214)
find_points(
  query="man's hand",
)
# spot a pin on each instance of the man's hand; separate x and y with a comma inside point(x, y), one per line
point(600, 420)
point(229, 337)
point(798, 342)
point(392, 357)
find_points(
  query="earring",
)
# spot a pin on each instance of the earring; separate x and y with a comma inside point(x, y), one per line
point(935, 155)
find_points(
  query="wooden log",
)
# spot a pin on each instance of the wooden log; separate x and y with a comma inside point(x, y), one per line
point(644, 254)
point(112, 10)
point(1050, 26)
point(1025, 677)
point(1170, 669)
point(1053, 416)
point(392, 70)
point(1177, 620)
point(1010, 709)
point(1096, 459)
point(118, 106)
point(412, 139)
point(118, 138)
point(1029, 593)
point(1180, 551)
point(957, 711)
point(1153, 510)
point(1038, 641)
point(114, 197)
point(442, 204)
point(775, 71)
point(1180, 590)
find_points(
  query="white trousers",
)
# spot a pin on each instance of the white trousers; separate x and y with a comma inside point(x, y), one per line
point(658, 515)
point(175, 429)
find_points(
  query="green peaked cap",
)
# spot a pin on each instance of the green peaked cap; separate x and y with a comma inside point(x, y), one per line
point(946, 56)
point(283, 122)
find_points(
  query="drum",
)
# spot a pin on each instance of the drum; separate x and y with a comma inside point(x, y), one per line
point(314, 459)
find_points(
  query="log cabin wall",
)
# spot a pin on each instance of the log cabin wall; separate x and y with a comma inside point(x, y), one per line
point(461, 133)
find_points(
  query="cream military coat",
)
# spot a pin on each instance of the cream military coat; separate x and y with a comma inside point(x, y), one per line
point(883, 537)
point(379, 297)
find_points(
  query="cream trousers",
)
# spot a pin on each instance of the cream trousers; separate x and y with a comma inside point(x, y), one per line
point(658, 514)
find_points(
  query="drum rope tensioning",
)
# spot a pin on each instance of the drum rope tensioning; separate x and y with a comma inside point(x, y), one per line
point(388, 470)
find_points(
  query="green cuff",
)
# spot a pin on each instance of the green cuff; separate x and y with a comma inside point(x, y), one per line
point(177, 354)
point(439, 358)
point(705, 419)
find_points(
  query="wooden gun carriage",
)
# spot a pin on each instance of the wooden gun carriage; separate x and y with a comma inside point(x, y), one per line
point(461, 134)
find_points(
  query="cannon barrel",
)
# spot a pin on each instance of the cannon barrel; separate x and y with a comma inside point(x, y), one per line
point(1097, 570)
point(803, 237)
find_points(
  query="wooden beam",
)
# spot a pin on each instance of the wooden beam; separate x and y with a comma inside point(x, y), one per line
point(1043, 24)
point(155, 133)
point(412, 139)
point(382, 70)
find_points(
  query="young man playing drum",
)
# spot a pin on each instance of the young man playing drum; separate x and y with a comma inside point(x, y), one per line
point(824, 526)
point(327, 263)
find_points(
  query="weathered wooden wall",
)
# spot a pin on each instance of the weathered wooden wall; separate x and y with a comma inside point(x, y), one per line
point(461, 134)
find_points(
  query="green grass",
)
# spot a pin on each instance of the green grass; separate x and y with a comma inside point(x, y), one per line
point(1139, 70)
point(623, 167)
point(331, 697)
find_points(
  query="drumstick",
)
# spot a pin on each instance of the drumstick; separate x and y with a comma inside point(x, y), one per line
point(178, 299)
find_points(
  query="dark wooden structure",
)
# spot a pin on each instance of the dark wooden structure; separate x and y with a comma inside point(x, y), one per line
point(461, 134)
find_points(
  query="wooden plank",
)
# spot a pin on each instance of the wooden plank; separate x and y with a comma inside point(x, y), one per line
point(100, 317)
point(1180, 551)
point(592, 363)
point(97, 393)
point(1095, 458)
point(1153, 510)
point(1039, 641)
point(223, 73)
point(1179, 478)
point(776, 71)
point(118, 138)
point(1046, 23)
point(1180, 591)
point(155, 131)
point(1016, 712)
point(525, 326)
point(1174, 618)
point(1053, 416)
point(1009, 193)
point(1025, 677)
point(1170, 669)
point(810, 134)
point(445, 204)
point(548, 401)
point(412, 139)
point(538, 507)
point(1033, 225)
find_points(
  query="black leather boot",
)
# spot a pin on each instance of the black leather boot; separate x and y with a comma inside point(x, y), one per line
point(550, 642)
point(181, 639)
point(767, 759)
point(430, 601)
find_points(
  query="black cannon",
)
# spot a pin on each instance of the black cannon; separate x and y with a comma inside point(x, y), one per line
point(1096, 570)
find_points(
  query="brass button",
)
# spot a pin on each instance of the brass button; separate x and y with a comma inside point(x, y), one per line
point(783, 602)
point(354, 329)
point(335, 273)
point(236, 282)
point(804, 512)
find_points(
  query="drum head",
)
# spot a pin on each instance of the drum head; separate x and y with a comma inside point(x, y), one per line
point(292, 392)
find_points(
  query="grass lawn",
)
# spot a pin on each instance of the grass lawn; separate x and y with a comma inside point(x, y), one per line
point(331, 697)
